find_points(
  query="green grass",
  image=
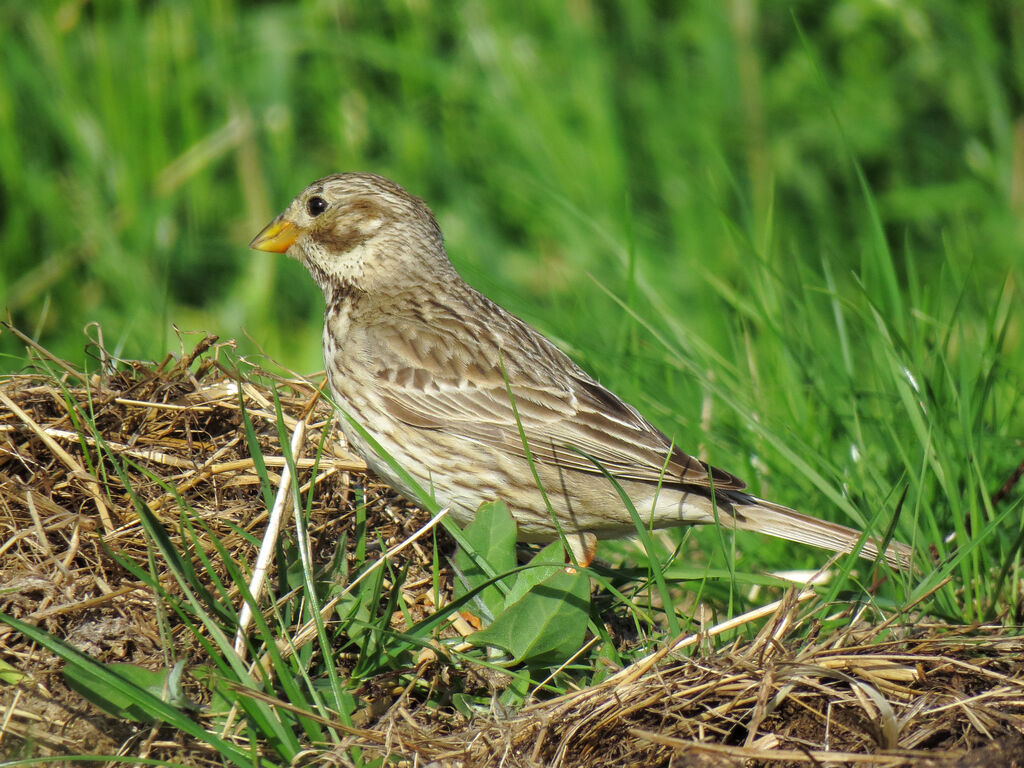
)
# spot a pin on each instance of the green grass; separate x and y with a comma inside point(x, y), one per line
point(543, 628)
point(801, 221)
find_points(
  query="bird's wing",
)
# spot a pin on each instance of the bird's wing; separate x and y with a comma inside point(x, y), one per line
point(435, 381)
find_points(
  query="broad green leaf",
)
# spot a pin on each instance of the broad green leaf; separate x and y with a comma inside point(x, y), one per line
point(165, 684)
point(492, 534)
point(10, 675)
point(546, 616)
point(545, 564)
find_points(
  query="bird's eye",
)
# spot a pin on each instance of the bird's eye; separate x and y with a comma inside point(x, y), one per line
point(316, 205)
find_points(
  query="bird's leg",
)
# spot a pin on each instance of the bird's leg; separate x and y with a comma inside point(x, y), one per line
point(583, 546)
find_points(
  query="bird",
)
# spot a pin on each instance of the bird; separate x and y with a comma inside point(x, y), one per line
point(478, 406)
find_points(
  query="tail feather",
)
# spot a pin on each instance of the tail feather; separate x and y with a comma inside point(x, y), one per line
point(786, 523)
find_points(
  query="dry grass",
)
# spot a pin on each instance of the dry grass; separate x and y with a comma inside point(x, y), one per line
point(937, 695)
point(837, 702)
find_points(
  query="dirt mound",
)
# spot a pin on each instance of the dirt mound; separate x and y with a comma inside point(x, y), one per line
point(202, 432)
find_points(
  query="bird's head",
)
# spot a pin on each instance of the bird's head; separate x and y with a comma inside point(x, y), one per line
point(358, 230)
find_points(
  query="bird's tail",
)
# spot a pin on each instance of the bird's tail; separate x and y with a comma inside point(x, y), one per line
point(753, 514)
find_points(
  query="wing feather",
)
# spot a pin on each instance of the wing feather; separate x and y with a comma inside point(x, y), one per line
point(570, 420)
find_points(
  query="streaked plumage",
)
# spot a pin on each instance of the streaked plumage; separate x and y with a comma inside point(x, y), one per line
point(421, 360)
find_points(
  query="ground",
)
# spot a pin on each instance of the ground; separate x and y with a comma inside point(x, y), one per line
point(908, 693)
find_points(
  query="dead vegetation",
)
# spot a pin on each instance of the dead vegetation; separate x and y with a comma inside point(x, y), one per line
point(934, 695)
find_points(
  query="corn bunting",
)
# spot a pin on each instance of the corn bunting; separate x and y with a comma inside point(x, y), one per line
point(442, 378)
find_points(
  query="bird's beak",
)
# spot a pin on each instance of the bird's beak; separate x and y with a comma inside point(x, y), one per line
point(276, 237)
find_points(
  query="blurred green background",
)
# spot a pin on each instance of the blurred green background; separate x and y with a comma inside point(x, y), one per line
point(673, 191)
point(143, 144)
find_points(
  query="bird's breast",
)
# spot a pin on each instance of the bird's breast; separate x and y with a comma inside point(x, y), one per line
point(337, 324)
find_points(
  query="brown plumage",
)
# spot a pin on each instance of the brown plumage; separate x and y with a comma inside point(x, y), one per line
point(421, 360)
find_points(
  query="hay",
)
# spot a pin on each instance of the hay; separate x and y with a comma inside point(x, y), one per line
point(936, 696)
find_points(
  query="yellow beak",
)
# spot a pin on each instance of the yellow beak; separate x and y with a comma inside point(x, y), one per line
point(276, 237)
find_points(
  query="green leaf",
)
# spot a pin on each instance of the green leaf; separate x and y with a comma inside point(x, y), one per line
point(140, 699)
point(10, 675)
point(492, 535)
point(546, 613)
point(164, 684)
